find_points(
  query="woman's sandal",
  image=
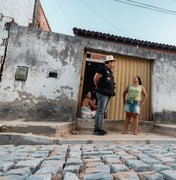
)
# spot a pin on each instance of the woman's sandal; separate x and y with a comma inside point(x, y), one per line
point(135, 133)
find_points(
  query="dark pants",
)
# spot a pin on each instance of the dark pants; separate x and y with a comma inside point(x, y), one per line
point(102, 103)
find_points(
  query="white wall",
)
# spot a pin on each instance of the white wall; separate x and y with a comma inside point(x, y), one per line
point(164, 86)
point(40, 96)
point(20, 10)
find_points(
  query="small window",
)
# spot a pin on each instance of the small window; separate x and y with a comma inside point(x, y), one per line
point(53, 74)
point(21, 73)
point(88, 55)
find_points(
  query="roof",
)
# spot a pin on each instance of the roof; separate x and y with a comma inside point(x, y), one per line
point(120, 39)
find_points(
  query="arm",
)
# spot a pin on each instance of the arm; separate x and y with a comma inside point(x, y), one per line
point(144, 93)
point(124, 95)
point(92, 105)
point(97, 79)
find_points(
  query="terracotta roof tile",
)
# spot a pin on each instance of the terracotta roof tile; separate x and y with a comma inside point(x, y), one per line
point(120, 39)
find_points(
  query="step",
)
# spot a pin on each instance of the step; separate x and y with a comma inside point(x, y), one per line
point(112, 125)
point(166, 129)
point(39, 128)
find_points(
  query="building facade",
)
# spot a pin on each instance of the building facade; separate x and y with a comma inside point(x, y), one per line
point(44, 74)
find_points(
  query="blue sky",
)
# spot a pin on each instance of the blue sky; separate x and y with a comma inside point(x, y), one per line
point(110, 16)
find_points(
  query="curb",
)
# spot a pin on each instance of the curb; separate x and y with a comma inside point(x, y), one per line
point(30, 139)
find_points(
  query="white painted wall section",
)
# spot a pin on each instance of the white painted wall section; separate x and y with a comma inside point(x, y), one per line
point(20, 10)
point(164, 96)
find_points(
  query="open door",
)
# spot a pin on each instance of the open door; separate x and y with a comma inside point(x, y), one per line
point(92, 61)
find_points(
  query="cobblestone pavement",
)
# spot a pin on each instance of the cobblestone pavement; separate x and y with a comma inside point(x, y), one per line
point(88, 162)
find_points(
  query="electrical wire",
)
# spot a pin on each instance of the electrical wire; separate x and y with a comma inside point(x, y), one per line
point(64, 14)
point(147, 6)
point(107, 21)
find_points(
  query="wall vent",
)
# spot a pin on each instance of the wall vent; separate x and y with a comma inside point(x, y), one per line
point(53, 74)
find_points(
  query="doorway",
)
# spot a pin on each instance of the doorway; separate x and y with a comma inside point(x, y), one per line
point(90, 71)
point(91, 62)
point(126, 68)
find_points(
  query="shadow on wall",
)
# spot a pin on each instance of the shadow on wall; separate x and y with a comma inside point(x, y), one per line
point(52, 110)
point(165, 117)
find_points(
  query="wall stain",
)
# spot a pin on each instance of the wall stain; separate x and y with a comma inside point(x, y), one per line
point(53, 52)
point(165, 117)
point(8, 87)
point(32, 108)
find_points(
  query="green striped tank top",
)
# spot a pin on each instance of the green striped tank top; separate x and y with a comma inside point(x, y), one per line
point(134, 93)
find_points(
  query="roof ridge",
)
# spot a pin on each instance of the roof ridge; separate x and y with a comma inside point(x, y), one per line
point(127, 40)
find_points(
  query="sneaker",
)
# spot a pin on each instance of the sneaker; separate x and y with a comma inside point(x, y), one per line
point(98, 133)
point(103, 131)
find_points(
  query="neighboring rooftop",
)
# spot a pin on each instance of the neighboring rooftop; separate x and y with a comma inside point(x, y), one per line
point(120, 39)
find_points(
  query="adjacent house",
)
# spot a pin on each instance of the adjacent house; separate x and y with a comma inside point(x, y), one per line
point(25, 13)
point(45, 74)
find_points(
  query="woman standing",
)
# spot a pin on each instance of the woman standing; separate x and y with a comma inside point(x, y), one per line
point(136, 96)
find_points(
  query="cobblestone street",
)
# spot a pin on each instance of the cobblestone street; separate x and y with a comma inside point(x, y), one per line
point(88, 162)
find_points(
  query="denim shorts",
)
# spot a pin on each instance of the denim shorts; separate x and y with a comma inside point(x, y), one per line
point(133, 107)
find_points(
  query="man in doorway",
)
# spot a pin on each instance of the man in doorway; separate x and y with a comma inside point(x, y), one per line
point(105, 85)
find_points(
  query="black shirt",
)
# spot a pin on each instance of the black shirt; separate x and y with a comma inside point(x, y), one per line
point(106, 84)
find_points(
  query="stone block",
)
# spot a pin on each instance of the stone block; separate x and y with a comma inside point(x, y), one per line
point(138, 165)
point(105, 152)
point(94, 159)
point(124, 157)
point(94, 164)
point(160, 167)
point(118, 168)
point(49, 170)
point(70, 176)
point(5, 166)
point(56, 157)
point(92, 170)
point(32, 164)
point(39, 177)
point(10, 177)
point(169, 174)
point(98, 176)
point(113, 161)
point(167, 160)
point(25, 172)
point(125, 176)
point(94, 153)
point(104, 157)
point(74, 161)
point(75, 154)
point(53, 163)
point(40, 154)
point(151, 176)
point(72, 168)
point(149, 160)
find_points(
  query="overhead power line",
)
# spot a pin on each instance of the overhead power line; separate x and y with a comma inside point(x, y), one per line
point(107, 21)
point(64, 14)
point(147, 6)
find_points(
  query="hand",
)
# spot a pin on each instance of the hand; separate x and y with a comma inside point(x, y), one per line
point(141, 103)
point(94, 90)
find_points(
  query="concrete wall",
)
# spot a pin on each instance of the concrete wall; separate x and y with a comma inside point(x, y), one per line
point(20, 10)
point(40, 97)
point(164, 91)
point(55, 99)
